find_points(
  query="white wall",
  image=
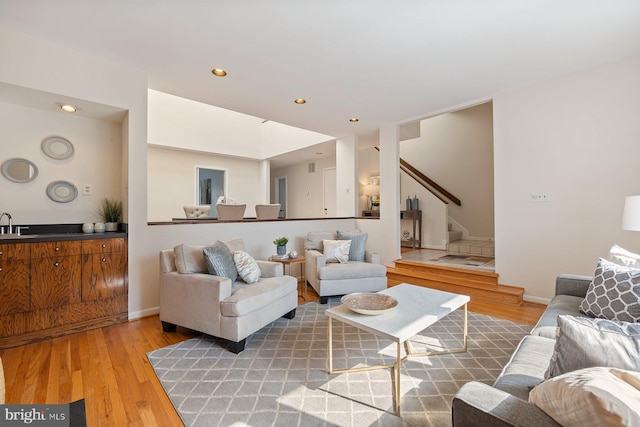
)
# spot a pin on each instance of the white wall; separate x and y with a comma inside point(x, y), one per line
point(96, 161)
point(576, 138)
point(456, 151)
point(304, 189)
point(172, 181)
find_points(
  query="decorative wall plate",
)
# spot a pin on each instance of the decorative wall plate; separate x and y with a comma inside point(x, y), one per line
point(62, 191)
point(57, 147)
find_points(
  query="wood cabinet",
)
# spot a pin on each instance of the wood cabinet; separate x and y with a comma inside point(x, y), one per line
point(55, 274)
point(54, 288)
point(102, 269)
point(14, 279)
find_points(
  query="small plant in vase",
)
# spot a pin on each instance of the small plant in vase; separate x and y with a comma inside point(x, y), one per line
point(111, 212)
point(281, 245)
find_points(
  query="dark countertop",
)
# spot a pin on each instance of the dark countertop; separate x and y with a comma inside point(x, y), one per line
point(55, 237)
point(58, 232)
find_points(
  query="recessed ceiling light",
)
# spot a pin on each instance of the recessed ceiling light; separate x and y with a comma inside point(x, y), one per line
point(219, 72)
point(300, 101)
point(68, 108)
point(354, 120)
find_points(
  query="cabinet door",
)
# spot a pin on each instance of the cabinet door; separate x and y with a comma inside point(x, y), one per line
point(99, 246)
point(55, 281)
point(56, 249)
point(102, 276)
point(14, 286)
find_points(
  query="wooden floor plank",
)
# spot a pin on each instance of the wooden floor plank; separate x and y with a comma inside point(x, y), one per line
point(108, 367)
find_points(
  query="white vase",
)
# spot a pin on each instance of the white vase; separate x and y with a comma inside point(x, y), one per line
point(99, 227)
point(111, 226)
point(87, 227)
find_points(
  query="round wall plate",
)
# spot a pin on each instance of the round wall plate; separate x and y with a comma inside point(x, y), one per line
point(62, 191)
point(57, 147)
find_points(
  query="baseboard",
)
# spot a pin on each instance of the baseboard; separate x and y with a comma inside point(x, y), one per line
point(537, 300)
point(144, 313)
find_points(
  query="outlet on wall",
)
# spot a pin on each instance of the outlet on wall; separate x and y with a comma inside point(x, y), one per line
point(87, 189)
point(540, 197)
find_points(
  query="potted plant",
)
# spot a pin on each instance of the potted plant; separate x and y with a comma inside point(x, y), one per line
point(111, 212)
point(281, 245)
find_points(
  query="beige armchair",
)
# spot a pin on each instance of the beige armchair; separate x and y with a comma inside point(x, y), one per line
point(268, 211)
point(197, 211)
point(230, 212)
point(361, 273)
point(194, 299)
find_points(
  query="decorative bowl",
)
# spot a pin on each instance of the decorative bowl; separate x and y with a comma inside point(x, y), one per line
point(369, 303)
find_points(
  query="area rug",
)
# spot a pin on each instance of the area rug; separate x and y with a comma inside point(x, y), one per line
point(281, 378)
point(471, 260)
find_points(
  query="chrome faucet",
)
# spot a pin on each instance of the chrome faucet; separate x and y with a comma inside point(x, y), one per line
point(10, 221)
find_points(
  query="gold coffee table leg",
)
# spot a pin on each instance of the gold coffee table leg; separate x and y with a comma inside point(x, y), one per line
point(396, 379)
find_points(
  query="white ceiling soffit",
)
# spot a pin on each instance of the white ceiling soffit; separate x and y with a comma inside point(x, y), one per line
point(32, 98)
point(382, 62)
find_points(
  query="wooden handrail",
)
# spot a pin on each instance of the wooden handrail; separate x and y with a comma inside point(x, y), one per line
point(416, 173)
point(427, 182)
point(430, 190)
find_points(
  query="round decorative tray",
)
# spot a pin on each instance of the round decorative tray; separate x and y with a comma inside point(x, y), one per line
point(369, 303)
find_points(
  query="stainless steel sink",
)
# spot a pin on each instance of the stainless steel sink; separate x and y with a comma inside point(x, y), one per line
point(16, 237)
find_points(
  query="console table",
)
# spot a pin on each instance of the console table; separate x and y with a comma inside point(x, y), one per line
point(416, 223)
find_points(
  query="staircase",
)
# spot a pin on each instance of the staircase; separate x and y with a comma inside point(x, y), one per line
point(454, 234)
point(479, 285)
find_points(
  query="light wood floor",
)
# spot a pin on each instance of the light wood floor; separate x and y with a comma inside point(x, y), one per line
point(108, 367)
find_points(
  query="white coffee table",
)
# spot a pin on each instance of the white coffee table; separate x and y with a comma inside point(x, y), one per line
point(417, 309)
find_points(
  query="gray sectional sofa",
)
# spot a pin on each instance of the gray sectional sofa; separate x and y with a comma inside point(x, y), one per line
point(506, 402)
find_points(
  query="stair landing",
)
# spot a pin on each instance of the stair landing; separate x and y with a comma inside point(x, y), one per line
point(479, 282)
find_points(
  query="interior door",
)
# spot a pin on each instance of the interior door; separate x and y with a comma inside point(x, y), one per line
point(329, 192)
point(281, 195)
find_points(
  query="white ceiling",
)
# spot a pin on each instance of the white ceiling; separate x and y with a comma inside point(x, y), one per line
point(381, 61)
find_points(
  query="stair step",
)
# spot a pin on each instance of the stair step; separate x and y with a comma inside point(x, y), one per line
point(455, 235)
point(478, 285)
point(450, 274)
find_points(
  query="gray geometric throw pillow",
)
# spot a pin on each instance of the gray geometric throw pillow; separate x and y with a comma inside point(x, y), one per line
point(614, 293)
point(220, 261)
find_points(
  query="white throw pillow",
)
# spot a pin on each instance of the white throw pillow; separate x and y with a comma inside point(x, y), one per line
point(247, 267)
point(623, 257)
point(591, 397)
point(336, 250)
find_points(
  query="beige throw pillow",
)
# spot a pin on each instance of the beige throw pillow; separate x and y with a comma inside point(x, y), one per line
point(591, 397)
point(247, 267)
point(336, 250)
point(189, 259)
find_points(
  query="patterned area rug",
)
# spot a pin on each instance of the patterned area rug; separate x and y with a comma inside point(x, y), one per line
point(281, 378)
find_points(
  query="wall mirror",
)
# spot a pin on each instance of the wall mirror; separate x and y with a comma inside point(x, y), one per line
point(210, 187)
point(57, 147)
point(19, 170)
